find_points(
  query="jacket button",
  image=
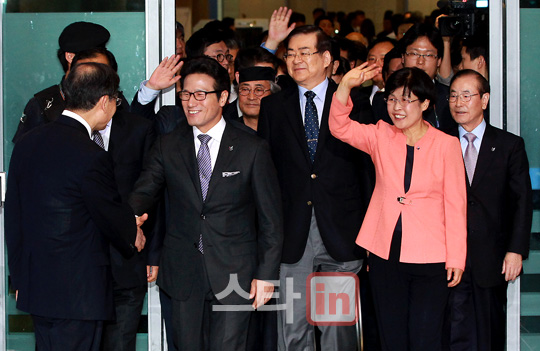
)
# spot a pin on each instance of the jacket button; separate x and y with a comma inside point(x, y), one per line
point(203, 216)
point(313, 176)
point(309, 203)
point(472, 203)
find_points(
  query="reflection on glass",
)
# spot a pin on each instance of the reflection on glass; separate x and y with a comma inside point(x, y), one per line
point(74, 5)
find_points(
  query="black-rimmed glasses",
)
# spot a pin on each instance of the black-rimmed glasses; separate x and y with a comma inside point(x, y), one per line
point(198, 95)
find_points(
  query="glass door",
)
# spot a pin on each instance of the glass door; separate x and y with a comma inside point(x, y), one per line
point(30, 31)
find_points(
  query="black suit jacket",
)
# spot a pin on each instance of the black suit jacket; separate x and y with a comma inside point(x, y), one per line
point(130, 141)
point(438, 116)
point(499, 211)
point(62, 210)
point(243, 194)
point(338, 184)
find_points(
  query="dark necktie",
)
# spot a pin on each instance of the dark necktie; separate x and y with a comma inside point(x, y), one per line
point(471, 156)
point(205, 172)
point(311, 124)
point(98, 139)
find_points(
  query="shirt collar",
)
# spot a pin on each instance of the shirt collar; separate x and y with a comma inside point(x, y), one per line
point(478, 131)
point(80, 120)
point(216, 132)
point(319, 90)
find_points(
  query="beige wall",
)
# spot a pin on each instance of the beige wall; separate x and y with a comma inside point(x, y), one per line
point(263, 8)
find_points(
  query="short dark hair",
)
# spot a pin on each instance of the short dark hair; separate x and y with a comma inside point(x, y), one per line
point(92, 53)
point(87, 83)
point(210, 67)
point(390, 55)
point(355, 49)
point(323, 40)
point(249, 57)
point(321, 18)
point(412, 80)
point(475, 47)
point(419, 30)
point(297, 17)
point(201, 39)
point(482, 83)
point(379, 41)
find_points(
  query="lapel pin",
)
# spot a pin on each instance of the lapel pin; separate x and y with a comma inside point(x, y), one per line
point(493, 149)
point(231, 148)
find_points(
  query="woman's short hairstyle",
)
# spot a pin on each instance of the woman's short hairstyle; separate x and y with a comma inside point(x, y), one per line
point(413, 81)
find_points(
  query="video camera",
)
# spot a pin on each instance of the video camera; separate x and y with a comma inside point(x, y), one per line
point(465, 17)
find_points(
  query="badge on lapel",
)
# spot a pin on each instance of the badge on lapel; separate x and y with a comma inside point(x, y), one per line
point(231, 148)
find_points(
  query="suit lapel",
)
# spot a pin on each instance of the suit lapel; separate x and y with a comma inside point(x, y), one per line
point(485, 155)
point(294, 117)
point(187, 150)
point(324, 129)
point(225, 155)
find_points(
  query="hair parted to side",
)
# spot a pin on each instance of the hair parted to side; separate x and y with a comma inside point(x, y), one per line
point(413, 81)
point(323, 40)
point(420, 30)
point(481, 82)
point(87, 83)
point(210, 67)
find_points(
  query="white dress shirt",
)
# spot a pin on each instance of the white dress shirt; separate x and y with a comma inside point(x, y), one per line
point(216, 133)
point(320, 96)
point(478, 131)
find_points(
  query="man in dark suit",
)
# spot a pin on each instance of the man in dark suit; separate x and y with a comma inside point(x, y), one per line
point(46, 105)
point(499, 216)
point(423, 48)
point(225, 225)
point(127, 137)
point(62, 210)
point(324, 183)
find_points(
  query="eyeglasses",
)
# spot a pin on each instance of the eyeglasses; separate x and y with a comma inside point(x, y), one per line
point(220, 57)
point(403, 101)
point(416, 56)
point(465, 97)
point(304, 55)
point(245, 91)
point(118, 101)
point(198, 95)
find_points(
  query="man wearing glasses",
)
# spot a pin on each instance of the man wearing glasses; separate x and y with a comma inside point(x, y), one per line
point(255, 84)
point(499, 216)
point(424, 49)
point(224, 240)
point(324, 184)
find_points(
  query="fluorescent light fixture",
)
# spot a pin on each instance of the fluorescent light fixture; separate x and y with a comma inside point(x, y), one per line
point(481, 3)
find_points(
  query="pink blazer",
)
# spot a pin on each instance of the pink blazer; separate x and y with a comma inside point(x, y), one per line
point(433, 211)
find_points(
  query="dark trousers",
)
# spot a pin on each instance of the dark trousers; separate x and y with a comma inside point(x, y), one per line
point(166, 314)
point(53, 334)
point(121, 334)
point(410, 301)
point(477, 317)
point(197, 327)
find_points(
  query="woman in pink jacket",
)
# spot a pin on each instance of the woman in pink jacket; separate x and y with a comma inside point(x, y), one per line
point(415, 226)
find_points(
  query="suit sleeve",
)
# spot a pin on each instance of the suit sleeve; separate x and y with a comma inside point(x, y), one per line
point(455, 206)
point(114, 218)
point(148, 188)
point(520, 196)
point(13, 231)
point(269, 211)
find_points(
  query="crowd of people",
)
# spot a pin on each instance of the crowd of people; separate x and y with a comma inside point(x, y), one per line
point(323, 148)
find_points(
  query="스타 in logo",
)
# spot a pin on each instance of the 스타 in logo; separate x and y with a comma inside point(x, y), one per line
point(332, 298)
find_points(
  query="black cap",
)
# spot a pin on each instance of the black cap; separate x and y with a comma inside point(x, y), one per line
point(80, 36)
point(257, 73)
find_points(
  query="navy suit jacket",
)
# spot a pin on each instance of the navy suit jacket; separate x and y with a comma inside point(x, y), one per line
point(338, 185)
point(62, 211)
